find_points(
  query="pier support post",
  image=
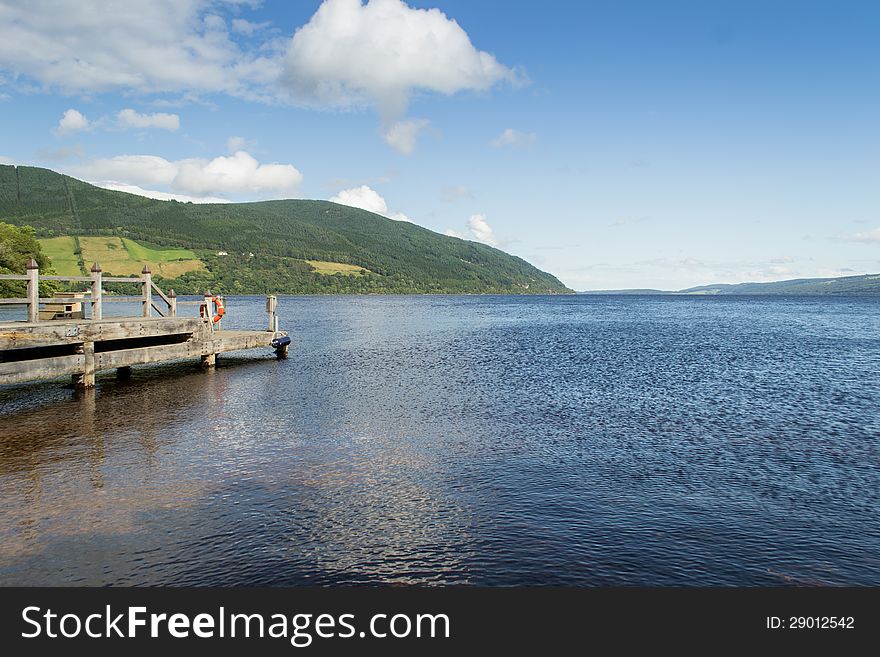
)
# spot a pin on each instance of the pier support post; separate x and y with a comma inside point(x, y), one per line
point(272, 311)
point(96, 291)
point(87, 378)
point(172, 306)
point(209, 310)
point(33, 291)
point(148, 290)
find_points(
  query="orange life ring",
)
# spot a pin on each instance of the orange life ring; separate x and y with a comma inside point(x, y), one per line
point(218, 301)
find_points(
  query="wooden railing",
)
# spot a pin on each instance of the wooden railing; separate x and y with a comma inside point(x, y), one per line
point(150, 292)
point(97, 297)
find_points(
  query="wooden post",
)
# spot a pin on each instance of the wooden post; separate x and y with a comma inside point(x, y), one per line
point(148, 290)
point(33, 290)
point(87, 378)
point(172, 307)
point(271, 310)
point(209, 310)
point(96, 291)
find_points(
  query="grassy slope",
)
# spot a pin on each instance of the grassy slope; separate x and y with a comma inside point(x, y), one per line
point(404, 257)
point(328, 268)
point(62, 253)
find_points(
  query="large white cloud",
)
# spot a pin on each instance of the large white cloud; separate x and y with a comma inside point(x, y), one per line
point(143, 45)
point(367, 198)
point(237, 174)
point(351, 53)
point(379, 53)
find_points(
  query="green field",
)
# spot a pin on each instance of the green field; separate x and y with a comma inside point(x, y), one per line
point(330, 268)
point(62, 253)
point(119, 256)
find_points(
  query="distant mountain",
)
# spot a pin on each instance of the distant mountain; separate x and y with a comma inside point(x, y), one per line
point(866, 285)
point(288, 246)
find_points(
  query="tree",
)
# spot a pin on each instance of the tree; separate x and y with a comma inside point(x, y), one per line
point(18, 244)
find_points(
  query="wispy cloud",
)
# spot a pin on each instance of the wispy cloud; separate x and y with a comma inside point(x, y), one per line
point(129, 118)
point(514, 139)
point(456, 193)
point(872, 235)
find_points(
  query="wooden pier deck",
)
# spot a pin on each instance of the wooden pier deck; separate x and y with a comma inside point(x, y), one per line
point(81, 346)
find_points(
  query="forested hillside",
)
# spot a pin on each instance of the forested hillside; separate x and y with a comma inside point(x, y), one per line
point(268, 243)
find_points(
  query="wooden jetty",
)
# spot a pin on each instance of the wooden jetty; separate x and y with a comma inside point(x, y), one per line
point(79, 344)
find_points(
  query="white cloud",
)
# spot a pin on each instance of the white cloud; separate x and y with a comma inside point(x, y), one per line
point(864, 236)
point(236, 173)
point(6, 160)
point(480, 231)
point(162, 196)
point(149, 46)
point(351, 53)
point(366, 198)
point(402, 135)
point(513, 138)
point(72, 121)
point(128, 118)
point(239, 173)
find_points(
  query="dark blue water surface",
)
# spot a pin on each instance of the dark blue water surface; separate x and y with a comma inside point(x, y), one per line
point(485, 440)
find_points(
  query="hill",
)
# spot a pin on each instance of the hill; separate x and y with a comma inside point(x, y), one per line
point(866, 285)
point(288, 246)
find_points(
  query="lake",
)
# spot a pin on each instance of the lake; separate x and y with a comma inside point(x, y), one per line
point(580, 440)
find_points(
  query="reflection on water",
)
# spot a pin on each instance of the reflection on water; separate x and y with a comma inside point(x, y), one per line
point(485, 440)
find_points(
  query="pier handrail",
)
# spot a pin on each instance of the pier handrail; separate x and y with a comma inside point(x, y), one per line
point(97, 297)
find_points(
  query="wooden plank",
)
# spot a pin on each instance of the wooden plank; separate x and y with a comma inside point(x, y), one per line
point(123, 279)
point(13, 302)
point(19, 335)
point(144, 355)
point(43, 368)
point(13, 277)
point(115, 299)
point(160, 293)
point(75, 279)
point(62, 300)
point(156, 308)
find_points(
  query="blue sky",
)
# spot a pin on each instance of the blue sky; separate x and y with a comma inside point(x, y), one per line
point(614, 144)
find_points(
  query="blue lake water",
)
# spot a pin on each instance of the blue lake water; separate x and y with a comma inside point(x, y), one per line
point(484, 440)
